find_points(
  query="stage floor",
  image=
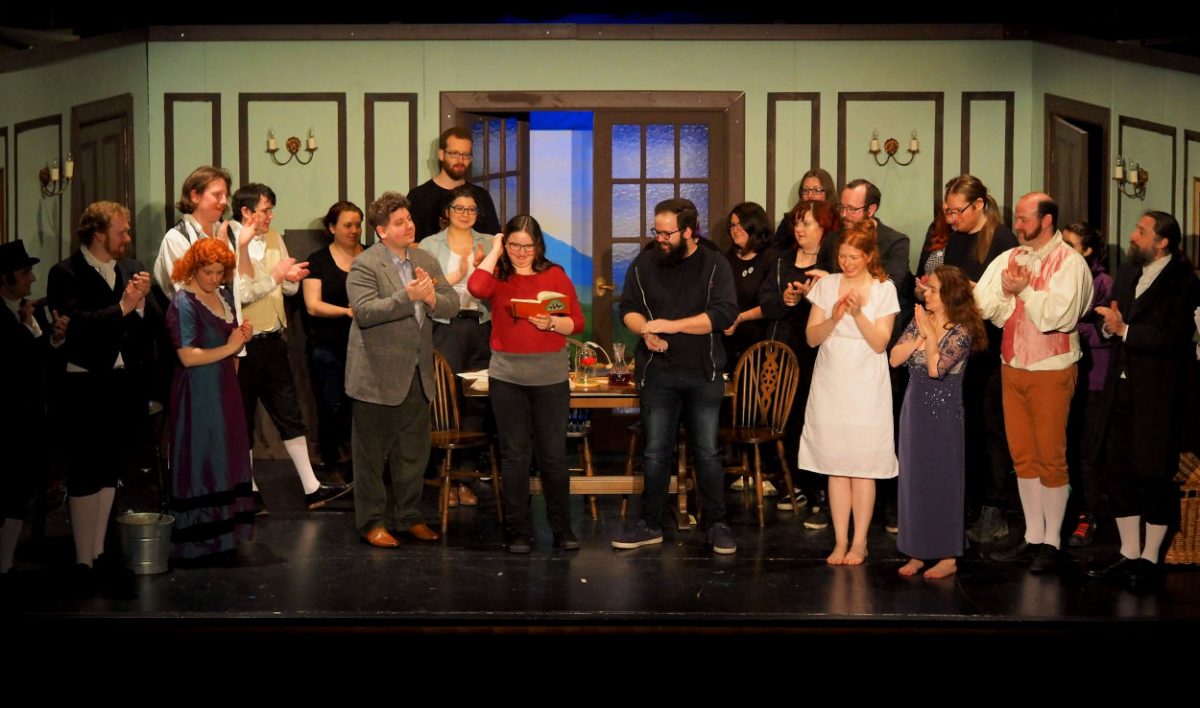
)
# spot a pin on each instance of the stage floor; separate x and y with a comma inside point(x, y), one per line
point(309, 568)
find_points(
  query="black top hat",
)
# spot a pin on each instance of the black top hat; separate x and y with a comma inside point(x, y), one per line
point(13, 257)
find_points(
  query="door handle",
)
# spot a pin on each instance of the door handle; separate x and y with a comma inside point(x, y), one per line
point(602, 287)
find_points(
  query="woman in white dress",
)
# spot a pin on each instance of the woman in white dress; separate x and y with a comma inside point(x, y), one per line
point(848, 420)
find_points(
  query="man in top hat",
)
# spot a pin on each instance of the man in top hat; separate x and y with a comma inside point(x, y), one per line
point(27, 345)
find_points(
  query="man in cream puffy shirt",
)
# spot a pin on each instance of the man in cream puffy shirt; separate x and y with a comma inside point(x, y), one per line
point(1036, 293)
point(266, 273)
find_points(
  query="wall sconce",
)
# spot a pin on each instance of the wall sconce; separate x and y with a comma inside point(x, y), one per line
point(54, 183)
point(891, 146)
point(293, 147)
point(1131, 179)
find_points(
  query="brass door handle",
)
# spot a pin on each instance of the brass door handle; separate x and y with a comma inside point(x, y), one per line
point(602, 286)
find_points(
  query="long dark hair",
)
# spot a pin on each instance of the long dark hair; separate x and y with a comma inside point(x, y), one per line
point(959, 301)
point(753, 220)
point(335, 213)
point(970, 188)
point(528, 224)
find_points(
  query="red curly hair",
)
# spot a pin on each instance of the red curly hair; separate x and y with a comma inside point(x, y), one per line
point(204, 252)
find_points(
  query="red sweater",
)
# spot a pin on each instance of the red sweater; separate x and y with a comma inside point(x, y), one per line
point(518, 336)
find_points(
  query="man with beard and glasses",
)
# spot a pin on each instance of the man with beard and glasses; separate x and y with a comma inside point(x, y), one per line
point(430, 199)
point(105, 391)
point(1036, 294)
point(1145, 402)
point(678, 297)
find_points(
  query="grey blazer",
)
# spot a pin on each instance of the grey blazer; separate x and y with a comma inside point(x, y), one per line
point(386, 345)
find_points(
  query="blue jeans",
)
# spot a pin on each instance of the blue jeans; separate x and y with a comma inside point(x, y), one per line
point(665, 394)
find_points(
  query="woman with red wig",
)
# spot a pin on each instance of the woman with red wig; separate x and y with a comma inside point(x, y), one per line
point(210, 452)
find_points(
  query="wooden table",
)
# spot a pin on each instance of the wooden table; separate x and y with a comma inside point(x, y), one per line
point(604, 396)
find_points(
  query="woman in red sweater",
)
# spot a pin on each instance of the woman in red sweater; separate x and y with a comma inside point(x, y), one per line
point(528, 378)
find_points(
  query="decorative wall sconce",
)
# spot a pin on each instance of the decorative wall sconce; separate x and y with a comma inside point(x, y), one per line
point(53, 181)
point(293, 147)
point(1131, 179)
point(891, 146)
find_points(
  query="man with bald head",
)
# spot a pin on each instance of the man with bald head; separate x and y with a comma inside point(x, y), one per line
point(1036, 293)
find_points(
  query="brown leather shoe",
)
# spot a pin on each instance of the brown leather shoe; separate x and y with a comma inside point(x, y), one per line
point(380, 538)
point(453, 497)
point(421, 532)
point(466, 497)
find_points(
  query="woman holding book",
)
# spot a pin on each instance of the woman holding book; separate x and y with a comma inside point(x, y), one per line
point(527, 376)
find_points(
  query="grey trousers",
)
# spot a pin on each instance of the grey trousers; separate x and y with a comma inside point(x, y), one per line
point(396, 437)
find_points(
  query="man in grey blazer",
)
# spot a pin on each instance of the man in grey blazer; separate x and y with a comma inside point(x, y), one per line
point(395, 290)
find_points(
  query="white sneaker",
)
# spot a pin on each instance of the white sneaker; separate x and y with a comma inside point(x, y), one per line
point(769, 489)
point(739, 484)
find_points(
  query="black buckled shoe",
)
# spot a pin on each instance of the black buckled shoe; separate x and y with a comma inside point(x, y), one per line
point(1115, 568)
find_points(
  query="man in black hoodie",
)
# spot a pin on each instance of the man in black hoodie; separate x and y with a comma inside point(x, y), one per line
point(678, 298)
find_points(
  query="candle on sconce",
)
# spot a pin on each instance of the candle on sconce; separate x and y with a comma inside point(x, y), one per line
point(914, 145)
point(874, 141)
point(69, 168)
point(1119, 171)
point(54, 171)
point(272, 145)
point(312, 141)
point(1133, 173)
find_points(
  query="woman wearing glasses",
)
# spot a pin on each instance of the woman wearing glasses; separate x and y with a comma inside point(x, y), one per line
point(463, 339)
point(969, 234)
point(816, 185)
point(527, 377)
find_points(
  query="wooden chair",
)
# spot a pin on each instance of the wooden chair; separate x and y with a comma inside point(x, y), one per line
point(446, 435)
point(764, 383)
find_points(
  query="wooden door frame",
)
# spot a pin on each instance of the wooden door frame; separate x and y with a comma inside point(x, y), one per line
point(120, 106)
point(733, 103)
point(1072, 110)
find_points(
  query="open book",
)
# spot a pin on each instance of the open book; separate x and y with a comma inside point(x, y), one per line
point(548, 302)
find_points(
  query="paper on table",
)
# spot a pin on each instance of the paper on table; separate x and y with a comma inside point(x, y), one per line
point(482, 374)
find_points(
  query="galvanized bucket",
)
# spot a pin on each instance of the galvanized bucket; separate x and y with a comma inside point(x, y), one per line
point(145, 541)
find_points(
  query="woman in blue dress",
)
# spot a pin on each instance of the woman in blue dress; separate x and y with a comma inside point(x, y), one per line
point(210, 452)
point(935, 346)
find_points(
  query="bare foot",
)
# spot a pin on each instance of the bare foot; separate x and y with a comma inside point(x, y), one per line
point(838, 557)
point(855, 556)
point(943, 569)
point(910, 568)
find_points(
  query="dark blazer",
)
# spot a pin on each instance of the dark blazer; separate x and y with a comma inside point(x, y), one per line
point(1155, 357)
point(98, 331)
point(25, 363)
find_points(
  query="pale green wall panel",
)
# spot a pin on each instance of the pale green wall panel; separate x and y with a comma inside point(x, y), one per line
point(392, 149)
point(304, 191)
point(37, 218)
point(793, 153)
point(987, 148)
point(907, 201)
point(1153, 152)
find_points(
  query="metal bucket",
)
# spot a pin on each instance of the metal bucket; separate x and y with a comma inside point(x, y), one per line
point(145, 541)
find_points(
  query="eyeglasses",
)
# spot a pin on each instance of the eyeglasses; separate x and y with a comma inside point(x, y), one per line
point(520, 247)
point(813, 190)
point(847, 209)
point(460, 210)
point(655, 233)
point(737, 225)
point(956, 212)
point(464, 156)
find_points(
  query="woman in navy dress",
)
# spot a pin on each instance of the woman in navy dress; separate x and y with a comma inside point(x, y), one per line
point(935, 346)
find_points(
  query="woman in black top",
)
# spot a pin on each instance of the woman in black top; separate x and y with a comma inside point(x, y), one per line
point(328, 315)
point(749, 255)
